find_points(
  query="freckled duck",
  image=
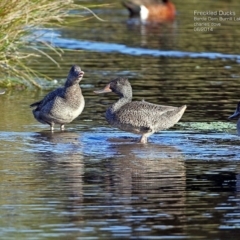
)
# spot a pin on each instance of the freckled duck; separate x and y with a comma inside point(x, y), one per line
point(62, 105)
point(235, 115)
point(138, 117)
point(151, 10)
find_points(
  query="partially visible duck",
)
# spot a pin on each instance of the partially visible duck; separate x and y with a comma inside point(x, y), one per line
point(63, 104)
point(151, 11)
point(138, 117)
point(235, 115)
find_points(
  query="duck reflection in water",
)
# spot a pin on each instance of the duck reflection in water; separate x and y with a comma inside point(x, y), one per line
point(149, 167)
point(132, 182)
point(60, 165)
point(139, 180)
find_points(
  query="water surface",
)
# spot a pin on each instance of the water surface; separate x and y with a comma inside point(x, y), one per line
point(93, 181)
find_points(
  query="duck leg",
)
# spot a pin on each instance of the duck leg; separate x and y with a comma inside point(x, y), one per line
point(52, 127)
point(143, 139)
point(62, 127)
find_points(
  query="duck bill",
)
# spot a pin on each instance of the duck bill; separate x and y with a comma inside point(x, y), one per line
point(236, 114)
point(81, 74)
point(105, 90)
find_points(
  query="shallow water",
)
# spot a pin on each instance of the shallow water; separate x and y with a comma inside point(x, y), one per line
point(96, 182)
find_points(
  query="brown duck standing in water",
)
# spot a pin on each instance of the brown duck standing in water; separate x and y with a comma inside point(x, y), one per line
point(62, 105)
point(138, 117)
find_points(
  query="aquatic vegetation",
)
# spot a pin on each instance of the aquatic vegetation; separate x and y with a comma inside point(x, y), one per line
point(18, 20)
point(208, 126)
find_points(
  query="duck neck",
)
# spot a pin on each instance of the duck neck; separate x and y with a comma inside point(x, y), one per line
point(121, 102)
point(68, 84)
point(72, 91)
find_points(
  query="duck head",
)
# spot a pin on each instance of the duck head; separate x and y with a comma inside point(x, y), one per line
point(75, 75)
point(121, 86)
point(236, 113)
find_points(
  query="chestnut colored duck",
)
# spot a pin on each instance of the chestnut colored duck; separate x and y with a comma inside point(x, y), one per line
point(62, 105)
point(138, 117)
point(237, 115)
point(150, 10)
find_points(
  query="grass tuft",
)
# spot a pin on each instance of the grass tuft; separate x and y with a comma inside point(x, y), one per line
point(18, 19)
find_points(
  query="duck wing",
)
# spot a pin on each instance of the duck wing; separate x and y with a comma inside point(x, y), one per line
point(146, 115)
point(59, 92)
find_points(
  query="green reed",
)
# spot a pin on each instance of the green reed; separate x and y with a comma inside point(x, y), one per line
point(18, 19)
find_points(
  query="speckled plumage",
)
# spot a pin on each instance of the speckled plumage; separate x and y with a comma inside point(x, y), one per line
point(138, 117)
point(64, 104)
point(236, 114)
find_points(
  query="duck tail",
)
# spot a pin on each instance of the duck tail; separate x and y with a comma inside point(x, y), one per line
point(35, 104)
point(182, 109)
point(134, 9)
